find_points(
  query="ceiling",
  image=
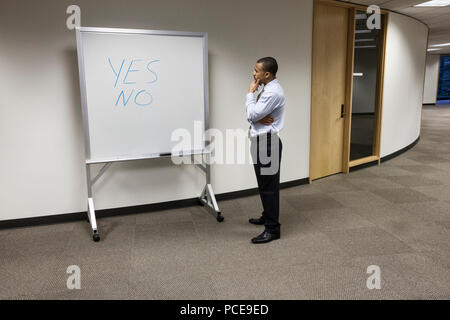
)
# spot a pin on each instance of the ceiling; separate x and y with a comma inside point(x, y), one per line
point(437, 18)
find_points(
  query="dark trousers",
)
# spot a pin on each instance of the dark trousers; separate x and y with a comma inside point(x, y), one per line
point(267, 170)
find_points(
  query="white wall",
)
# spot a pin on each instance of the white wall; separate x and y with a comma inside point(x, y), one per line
point(431, 79)
point(403, 82)
point(42, 165)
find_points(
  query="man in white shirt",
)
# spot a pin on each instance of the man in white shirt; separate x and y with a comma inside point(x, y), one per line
point(266, 117)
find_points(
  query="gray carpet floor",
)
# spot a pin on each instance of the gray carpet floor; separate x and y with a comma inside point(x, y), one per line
point(395, 216)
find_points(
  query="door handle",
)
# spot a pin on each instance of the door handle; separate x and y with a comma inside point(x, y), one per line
point(342, 111)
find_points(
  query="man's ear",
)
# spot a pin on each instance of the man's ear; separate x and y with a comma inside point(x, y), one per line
point(267, 75)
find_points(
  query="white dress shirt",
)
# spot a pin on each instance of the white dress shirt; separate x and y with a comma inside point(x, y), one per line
point(271, 102)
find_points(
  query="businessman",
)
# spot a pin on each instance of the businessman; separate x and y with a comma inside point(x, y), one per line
point(266, 117)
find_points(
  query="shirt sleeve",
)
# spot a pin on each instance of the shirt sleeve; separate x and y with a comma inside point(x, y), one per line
point(267, 102)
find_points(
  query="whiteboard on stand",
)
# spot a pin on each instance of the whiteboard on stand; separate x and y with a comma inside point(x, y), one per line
point(138, 87)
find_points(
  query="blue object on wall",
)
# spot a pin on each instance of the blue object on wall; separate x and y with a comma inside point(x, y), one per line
point(444, 79)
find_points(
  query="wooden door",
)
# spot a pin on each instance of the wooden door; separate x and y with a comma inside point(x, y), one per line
point(328, 92)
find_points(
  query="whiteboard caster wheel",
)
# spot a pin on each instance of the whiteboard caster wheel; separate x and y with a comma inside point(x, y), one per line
point(219, 217)
point(96, 237)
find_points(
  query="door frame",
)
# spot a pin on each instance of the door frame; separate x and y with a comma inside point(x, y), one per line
point(346, 163)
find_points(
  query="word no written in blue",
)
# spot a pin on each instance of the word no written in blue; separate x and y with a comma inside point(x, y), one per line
point(142, 97)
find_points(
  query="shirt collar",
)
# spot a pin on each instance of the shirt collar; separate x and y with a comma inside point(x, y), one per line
point(274, 81)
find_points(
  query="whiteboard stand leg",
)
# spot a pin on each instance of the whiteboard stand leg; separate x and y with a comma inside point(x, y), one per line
point(93, 220)
point(91, 210)
point(208, 199)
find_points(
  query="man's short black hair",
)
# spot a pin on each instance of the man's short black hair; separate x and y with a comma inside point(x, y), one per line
point(269, 65)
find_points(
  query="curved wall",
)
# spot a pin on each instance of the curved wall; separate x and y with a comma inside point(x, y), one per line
point(42, 165)
point(404, 69)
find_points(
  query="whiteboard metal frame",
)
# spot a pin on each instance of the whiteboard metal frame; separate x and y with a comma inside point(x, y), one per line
point(207, 196)
point(84, 104)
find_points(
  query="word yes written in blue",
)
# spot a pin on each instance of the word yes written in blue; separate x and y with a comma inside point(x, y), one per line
point(131, 90)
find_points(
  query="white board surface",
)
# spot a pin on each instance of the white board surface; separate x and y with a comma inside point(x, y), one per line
point(138, 86)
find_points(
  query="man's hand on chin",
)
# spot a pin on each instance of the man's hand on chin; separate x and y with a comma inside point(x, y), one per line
point(254, 86)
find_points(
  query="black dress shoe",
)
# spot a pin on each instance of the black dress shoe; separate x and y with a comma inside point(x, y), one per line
point(266, 237)
point(258, 221)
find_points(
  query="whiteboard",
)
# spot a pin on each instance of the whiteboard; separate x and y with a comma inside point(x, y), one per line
point(138, 87)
